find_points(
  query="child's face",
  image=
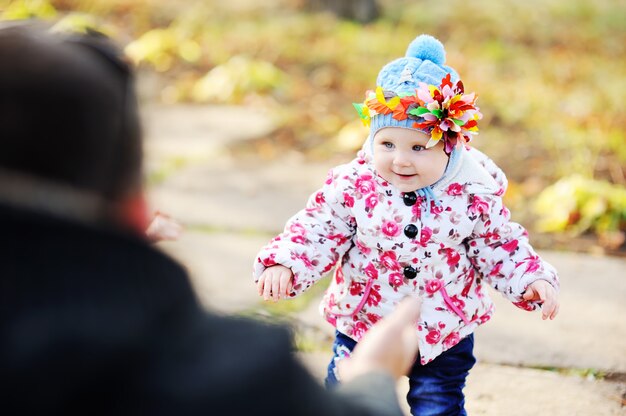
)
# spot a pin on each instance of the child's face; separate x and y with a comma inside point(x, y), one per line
point(401, 158)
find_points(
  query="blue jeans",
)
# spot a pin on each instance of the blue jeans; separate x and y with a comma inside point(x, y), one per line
point(435, 388)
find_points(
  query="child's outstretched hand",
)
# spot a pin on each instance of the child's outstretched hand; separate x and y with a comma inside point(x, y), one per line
point(275, 282)
point(543, 291)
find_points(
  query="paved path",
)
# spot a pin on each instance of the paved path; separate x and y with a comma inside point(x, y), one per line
point(231, 206)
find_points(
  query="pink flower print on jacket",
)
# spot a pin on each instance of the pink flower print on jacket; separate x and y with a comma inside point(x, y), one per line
point(533, 263)
point(365, 184)
point(329, 177)
point(371, 272)
point(455, 189)
point(433, 286)
point(332, 302)
point(359, 329)
point(389, 259)
point(433, 336)
point(416, 209)
point(489, 237)
point(348, 200)
point(339, 275)
point(298, 238)
point(356, 288)
point(478, 206)
point(298, 233)
point(435, 209)
point(451, 255)
point(328, 267)
point(457, 302)
point(297, 228)
point(469, 279)
point(497, 270)
point(425, 236)
point(390, 228)
point(510, 246)
point(371, 201)
point(362, 247)
point(338, 238)
point(374, 297)
point(308, 263)
point(373, 318)
point(451, 340)
point(395, 280)
point(525, 305)
point(268, 261)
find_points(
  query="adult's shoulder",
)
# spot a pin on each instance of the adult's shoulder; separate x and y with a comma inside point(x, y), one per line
point(236, 333)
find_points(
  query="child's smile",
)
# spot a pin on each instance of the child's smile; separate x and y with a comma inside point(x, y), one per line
point(404, 176)
point(402, 159)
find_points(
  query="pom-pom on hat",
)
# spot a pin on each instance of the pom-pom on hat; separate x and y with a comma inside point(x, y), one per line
point(423, 62)
point(419, 92)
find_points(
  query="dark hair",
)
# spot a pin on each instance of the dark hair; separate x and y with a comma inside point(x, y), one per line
point(68, 111)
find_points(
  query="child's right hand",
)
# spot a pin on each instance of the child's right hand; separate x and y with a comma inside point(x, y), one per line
point(275, 282)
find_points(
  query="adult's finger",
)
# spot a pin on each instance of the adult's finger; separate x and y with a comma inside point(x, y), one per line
point(407, 312)
point(391, 345)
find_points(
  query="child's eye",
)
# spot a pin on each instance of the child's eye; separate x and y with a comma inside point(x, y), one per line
point(388, 145)
point(418, 148)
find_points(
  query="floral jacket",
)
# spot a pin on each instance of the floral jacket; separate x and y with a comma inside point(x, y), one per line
point(388, 245)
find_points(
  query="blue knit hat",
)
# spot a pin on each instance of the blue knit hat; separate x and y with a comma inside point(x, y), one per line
point(423, 62)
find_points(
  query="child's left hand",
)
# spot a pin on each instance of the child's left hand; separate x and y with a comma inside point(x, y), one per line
point(543, 292)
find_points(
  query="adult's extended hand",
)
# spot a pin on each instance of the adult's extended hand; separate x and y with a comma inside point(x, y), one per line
point(389, 346)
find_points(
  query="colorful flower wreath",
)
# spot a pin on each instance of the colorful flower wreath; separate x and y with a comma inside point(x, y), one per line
point(445, 112)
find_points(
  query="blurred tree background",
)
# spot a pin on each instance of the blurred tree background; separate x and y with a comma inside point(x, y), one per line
point(550, 76)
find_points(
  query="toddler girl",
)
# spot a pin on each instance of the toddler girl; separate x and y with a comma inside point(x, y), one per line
point(417, 213)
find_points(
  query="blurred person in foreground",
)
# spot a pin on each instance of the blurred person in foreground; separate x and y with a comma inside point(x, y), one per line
point(93, 318)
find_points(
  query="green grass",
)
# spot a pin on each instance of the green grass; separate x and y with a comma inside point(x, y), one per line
point(587, 373)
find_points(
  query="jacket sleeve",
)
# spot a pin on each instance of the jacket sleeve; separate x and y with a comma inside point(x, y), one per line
point(315, 238)
point(499, 249)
